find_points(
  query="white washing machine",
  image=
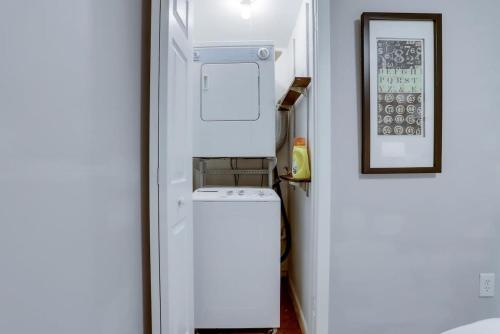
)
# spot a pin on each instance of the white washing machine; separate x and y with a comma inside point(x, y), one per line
point(234, 99)
point(236, 258)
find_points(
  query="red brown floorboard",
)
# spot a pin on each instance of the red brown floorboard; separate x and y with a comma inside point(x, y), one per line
point(289, 322)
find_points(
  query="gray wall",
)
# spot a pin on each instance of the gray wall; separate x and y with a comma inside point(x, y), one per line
point(407, 250)
point(71, 141)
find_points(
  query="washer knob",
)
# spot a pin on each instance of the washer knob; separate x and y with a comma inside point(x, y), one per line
point(263, 53)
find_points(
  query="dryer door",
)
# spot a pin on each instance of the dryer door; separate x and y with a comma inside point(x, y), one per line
point(230, 92)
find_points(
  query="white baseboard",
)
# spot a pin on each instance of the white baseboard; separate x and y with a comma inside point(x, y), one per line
point(298, 308)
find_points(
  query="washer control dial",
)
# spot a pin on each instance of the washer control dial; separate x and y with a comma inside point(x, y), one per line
point(264, 53)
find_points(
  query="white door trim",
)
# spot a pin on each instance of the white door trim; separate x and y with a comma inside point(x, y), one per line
point(322, 169)
point(154, 248)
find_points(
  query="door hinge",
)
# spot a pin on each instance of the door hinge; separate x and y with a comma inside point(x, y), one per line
point(158, 176)
point(314, 307)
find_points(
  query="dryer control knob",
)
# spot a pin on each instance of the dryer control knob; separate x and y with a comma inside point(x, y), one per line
point(263, 53)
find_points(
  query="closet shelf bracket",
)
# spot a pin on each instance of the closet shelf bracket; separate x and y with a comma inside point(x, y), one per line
point(297, 89)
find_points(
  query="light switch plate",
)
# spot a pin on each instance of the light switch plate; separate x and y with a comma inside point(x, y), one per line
point(487, 285)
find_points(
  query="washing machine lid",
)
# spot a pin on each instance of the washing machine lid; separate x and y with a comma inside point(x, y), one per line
point(235, 194)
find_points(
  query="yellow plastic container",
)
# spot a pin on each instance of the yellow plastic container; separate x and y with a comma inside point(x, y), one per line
point(300, 160)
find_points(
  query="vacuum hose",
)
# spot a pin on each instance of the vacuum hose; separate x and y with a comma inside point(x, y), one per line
point(282, 120)
point(288, 229)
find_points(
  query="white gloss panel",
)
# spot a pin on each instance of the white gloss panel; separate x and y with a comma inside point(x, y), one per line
point(489, 326)
point(234, 99)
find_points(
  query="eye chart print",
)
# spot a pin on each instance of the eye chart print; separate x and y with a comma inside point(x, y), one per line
point(400, 71)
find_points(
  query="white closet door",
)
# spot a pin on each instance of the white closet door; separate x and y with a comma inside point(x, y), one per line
point(172, 97)
point(230, 92)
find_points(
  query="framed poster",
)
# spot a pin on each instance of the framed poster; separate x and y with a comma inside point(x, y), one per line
point(402, 99)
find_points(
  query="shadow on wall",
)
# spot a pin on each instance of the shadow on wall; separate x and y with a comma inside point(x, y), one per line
point(359, 97)
point(145, 61)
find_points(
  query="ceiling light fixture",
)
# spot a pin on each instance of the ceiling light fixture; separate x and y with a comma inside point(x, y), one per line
point(246, 9)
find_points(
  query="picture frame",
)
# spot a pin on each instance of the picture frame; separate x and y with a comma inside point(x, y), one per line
point(401, 93)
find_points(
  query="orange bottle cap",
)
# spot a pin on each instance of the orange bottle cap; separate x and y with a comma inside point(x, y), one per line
point(300, 141)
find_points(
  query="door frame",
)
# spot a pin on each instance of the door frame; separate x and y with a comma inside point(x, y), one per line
point(322, 168)
point(154, 188)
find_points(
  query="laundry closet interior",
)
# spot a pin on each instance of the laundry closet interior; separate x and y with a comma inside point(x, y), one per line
point(252, 160)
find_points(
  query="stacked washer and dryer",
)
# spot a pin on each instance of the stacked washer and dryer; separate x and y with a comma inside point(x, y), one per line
point(236, 230)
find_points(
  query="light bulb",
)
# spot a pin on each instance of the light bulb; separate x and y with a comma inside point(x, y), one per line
point(246, 10)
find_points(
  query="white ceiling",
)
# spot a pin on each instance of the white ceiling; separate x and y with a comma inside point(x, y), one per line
point(220, 20)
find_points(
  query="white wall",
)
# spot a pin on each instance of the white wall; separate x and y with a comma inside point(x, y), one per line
point(70, 166)
point(220, 20)
point(299, 57)
point(408, 249)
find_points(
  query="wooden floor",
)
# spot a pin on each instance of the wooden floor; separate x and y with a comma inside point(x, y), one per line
point(289, 322)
